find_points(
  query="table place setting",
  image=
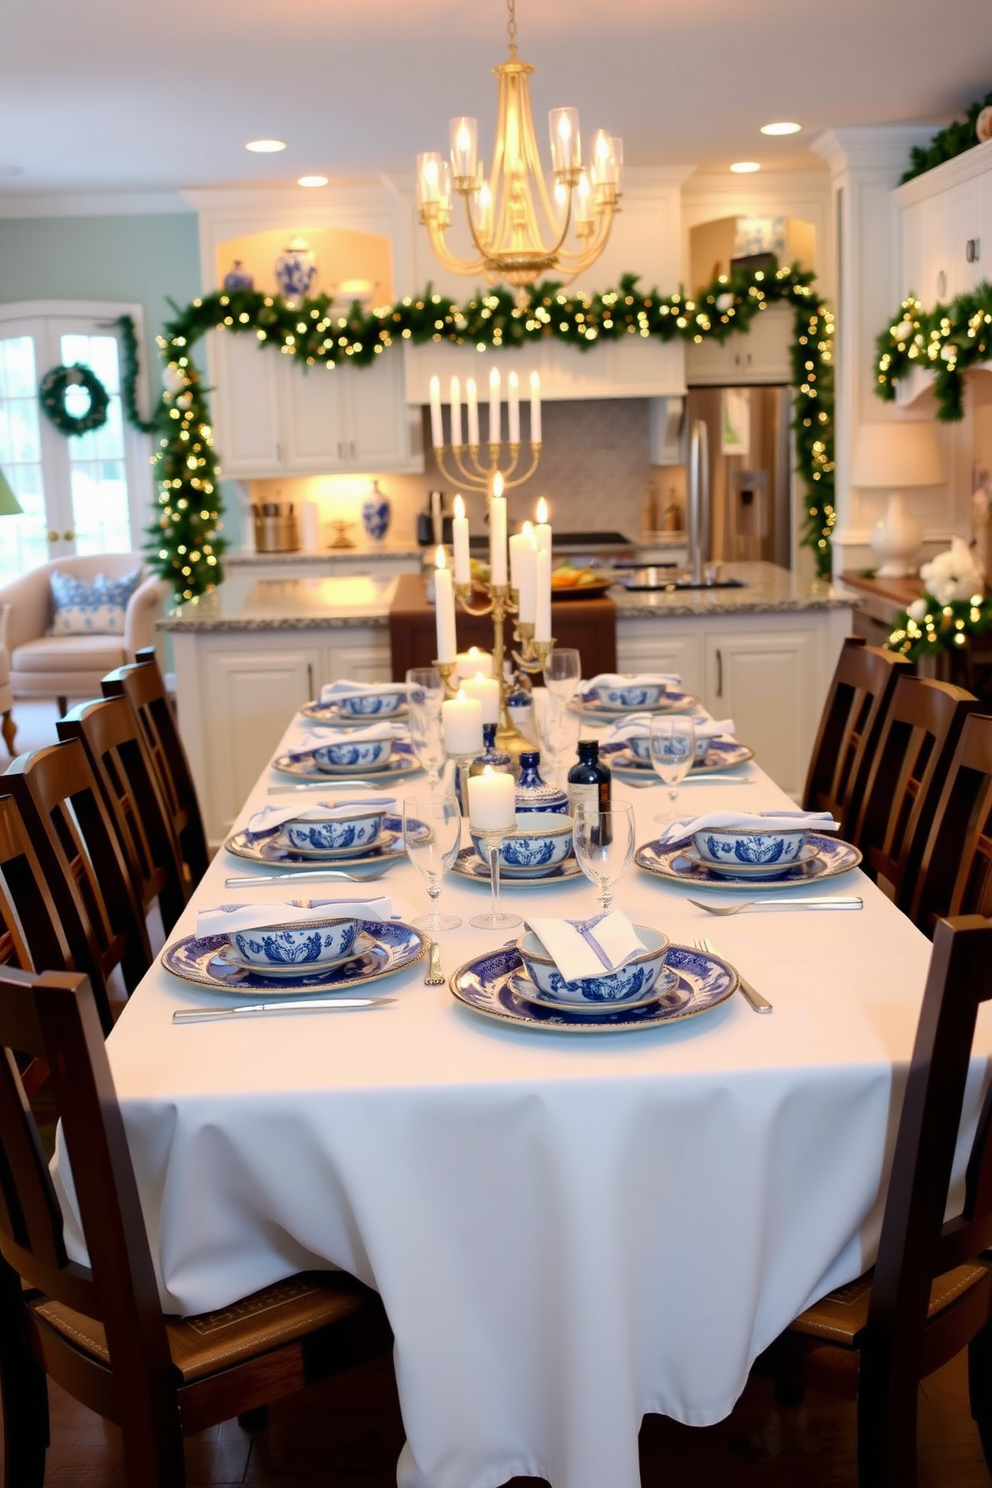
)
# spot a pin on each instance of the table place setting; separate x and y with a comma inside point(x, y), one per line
point(381, 749)
point(358, 834)
point(613, 695)
point(627, 747)
point(753, 851)
point(352, 704)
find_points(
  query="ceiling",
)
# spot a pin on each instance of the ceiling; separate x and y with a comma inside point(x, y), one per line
point(130, 95)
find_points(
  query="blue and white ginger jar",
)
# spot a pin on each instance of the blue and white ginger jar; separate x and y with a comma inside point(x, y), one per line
point(296, 269)
point(237, 277)
point(377, 513)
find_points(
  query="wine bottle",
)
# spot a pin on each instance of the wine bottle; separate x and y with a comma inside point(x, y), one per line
point(589, 780)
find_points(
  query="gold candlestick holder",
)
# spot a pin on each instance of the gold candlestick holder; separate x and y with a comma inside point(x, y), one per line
point(476, 473)
point(446, 670)
point(501, 601)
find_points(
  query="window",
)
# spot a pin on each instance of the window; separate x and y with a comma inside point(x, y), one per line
point(85, 494)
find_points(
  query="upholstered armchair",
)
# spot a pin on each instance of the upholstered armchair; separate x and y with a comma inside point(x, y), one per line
point(70, 666)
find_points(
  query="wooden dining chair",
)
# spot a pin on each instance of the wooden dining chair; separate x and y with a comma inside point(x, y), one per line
point(98, 1328)
point(850, 726)
point(82, 859)
point(908, 767)
point(955, 874)
point(115, 747)
point(144, 687)
point(930, 1292)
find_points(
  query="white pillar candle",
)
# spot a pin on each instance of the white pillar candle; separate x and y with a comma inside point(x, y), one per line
point(459, 539)
point(456, 416)
point(473, 662)
point(437, 424)
point(542, 606)
point(516, 542)
point(494, 407)
point(542, 527)
point(535, 408)
point(472, 411)
point(527, 588)
point(486, 689)
point(444, 609)
point(513, 408)
point(461, 725)
point(491, 803)
point(497, 540)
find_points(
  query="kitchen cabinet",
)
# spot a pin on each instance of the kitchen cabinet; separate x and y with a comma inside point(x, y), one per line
point(273, 417)
point(760, 356)
point(636, 367)
point(945, 227)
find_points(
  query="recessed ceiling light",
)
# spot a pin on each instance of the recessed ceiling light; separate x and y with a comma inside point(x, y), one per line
point(265, 147)
point(744, 167)
point(783, 128)
point(312, 181)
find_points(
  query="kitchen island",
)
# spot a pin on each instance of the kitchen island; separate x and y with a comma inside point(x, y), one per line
point(248, 654)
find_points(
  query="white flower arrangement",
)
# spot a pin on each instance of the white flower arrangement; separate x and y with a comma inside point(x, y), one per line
point(953, 608)
point(953, 574)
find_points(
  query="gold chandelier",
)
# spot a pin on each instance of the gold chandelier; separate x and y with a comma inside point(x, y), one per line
point(518, 226)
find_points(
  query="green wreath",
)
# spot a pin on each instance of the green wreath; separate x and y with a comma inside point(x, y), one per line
point(52, 391)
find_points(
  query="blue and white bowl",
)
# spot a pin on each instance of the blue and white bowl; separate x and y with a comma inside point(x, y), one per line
point(629, 694)
point(312, 945)
point(751, 846)
point(357, 831)
point(640, 747)
point(372, 704)
point(365, 754)
point(540, 841)
point(630, 983)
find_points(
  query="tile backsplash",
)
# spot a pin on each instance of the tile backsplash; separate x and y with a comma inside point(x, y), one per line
point(594, 472)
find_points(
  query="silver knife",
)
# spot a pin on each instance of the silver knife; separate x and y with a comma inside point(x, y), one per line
point(331, 782)
point(758, 1003)
point(285, 1005)
point(816, 901)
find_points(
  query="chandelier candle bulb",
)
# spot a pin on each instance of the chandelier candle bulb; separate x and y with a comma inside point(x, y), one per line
point(497, 541)
point(459, 538)
point(513, 408)
point(486, 691)
point(456, 417)
point(472, 408)
point(495, 431)
point(492, 800)
point(535, 408)
point(437, 423)
point(542, 607)
point(444, 609)
point(461, 725)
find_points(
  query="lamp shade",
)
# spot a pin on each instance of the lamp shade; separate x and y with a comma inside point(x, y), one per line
point(897, 455)
point(9, 504)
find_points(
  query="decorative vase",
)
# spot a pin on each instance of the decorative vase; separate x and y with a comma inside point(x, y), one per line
point(498, 758)
point(377, 512)
point(296, 269)
point(534, 794)
point(896, 539)
point(237, 277)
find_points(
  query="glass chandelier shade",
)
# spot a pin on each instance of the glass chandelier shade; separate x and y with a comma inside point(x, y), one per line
point(518, 226)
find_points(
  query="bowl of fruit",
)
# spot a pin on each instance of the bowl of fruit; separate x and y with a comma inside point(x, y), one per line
point(569, 582)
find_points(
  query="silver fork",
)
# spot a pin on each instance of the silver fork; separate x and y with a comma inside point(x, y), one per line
point(782, 901)
point(435, 976)
point(758, 1003)
point(293, 875)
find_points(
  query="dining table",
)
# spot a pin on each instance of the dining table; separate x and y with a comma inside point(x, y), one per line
point(568, 1230)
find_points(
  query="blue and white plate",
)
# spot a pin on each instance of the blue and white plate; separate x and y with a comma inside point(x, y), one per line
point(394, 946)
point(384, 843)
point(748, 870)
point(490, 985)
point(330, 713)
point(468, 864)
point(722, 754)
point(668, 990)
point(402, 761)
point(831, 857)
point(275, 849)
point(363, 944)
point(672, 702)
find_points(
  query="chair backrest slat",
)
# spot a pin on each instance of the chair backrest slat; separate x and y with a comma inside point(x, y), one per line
point(955, 873)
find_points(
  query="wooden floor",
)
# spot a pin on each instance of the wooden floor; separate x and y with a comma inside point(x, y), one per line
point(348, 1434)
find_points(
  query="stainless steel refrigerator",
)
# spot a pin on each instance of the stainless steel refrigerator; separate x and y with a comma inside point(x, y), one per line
point(750, 467)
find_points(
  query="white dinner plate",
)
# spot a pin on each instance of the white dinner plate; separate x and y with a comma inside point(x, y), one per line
point(831, 858)
point(197, 959)
point(489, 985)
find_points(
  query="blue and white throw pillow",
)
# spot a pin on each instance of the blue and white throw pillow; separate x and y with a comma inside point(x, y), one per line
point(91, 609)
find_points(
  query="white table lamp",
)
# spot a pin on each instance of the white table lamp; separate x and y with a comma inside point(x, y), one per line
point(896, 457)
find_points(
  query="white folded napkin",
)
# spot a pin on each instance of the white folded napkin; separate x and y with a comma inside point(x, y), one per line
point(619, 679)
point(228, 917)
point(332, 692)
point(271, 818)
point(303, 744)
point(774, 821)
point(587, 948)
point(639, 726)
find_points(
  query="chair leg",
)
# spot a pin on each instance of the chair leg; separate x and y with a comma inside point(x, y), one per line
point(888, 1401)
point(24, 1389)
point(980, 1388)
point(8, 729)
point(63, 704)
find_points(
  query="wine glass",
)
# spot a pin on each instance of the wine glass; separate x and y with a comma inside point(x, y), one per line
point(563, 673)
point(558, 729)
point(494, 918)
point(603, 842)
point(427, 739)
point(432, 834)
point(672, 743)
point(425, 689)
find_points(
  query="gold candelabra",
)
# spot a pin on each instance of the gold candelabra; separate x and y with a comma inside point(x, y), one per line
point(476, 475)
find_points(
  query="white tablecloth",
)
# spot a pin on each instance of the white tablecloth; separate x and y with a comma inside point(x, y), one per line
point(567, 1232)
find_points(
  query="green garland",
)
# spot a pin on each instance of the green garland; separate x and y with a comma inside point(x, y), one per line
point(940, 628)
point(185, 541)
point(954, 140)
point(51, 393)
point(946, 340)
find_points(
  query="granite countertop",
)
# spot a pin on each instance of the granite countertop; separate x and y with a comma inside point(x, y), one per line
point(308, 557)
point(768, 590)
point(243, 603)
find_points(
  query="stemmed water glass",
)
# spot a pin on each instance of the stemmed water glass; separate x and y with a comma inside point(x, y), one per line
point(425, 694)
point(558, 729)
point(432, 834)
point(672, 743)
point(603, 842)
point(563, 673)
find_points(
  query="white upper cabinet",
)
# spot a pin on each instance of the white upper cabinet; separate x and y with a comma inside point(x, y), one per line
point(759, 356)
point(636, 367)
point(945, 228)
